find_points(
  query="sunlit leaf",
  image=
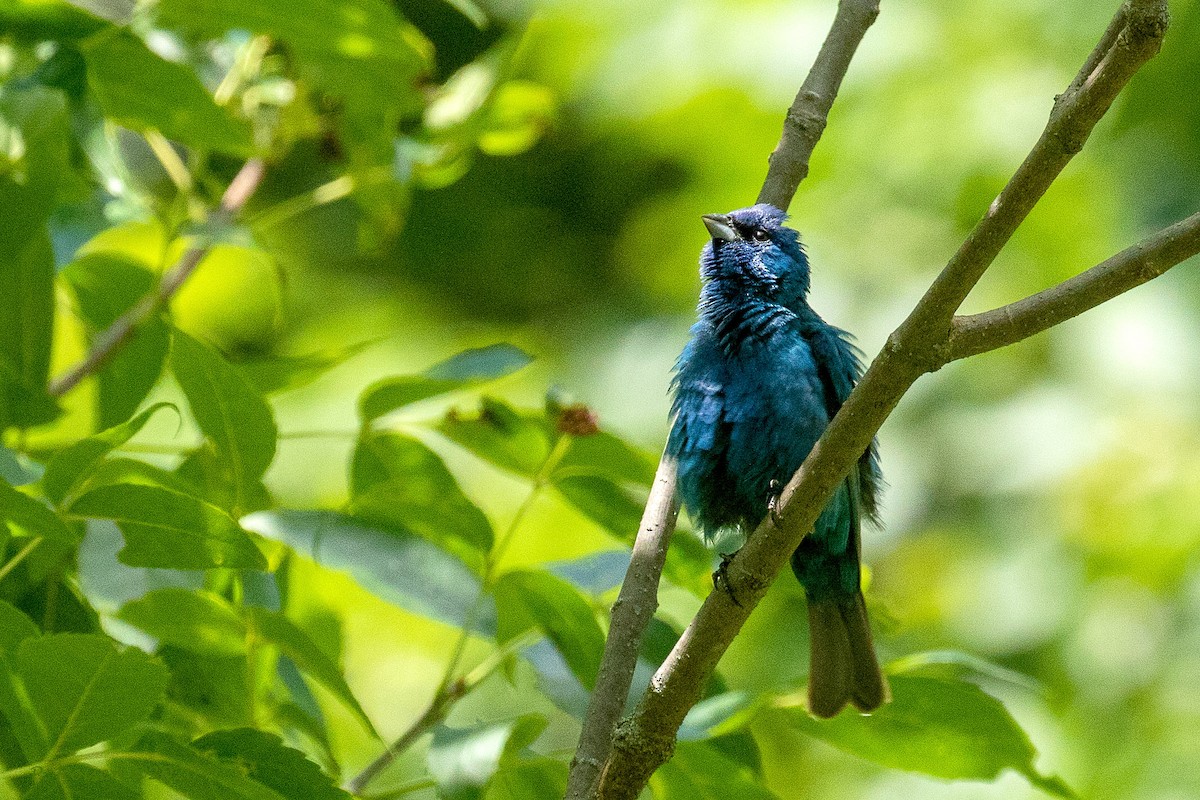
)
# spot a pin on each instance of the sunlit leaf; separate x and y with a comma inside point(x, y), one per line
point(292, 641)
point(518, 115)
point(164, 528)
point(198, 621)
point(398, 481)
point(500, 435)
point(139, 89)
point(264, 758)
point(399, 567)
point(80, 782)
point(229, 410)
point(105, 287)
point(698, 771)
point(526, 600)
point(605, 454)
point(71, 464)
point(464, 760)
point(85, 690)
point(29, 517)
point(282, 373)
point(198, 775)
point(942, 727)
point(468, 369)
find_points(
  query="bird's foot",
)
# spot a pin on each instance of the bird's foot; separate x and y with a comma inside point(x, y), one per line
point(720, 578)
point(773, 490)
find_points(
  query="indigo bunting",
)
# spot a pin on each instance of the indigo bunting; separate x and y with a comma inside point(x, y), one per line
point(754, 388)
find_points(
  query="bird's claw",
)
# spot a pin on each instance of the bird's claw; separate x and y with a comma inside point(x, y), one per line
point(720, 578)
point(773, 490)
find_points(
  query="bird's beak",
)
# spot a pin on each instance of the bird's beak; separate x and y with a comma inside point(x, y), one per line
point(719, 226)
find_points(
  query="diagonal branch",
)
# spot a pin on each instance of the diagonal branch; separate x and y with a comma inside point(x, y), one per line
point(1129, 268)
point(115, 336)
point(646, 739)
point(638, 598)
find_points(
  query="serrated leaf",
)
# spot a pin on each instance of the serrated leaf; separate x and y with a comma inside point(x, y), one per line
point(502, 436)
point(105, 287)
point(293, 642)
point(192, 620)
point(197, 775)
point(216, 687)
point(84, 690)
point(28, 517)
point(396, 480)
point(698, 771)
point(164, 528)
point(79, 782)
point(399, 567)
point(946, 728)
point(468, 369)
point(139, 89)
point(71, 464)
point(528, 599)
point(463, 761)
point(228, 409)
point(264, 758)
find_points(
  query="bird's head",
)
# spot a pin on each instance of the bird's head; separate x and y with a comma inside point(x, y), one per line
point(754, 256)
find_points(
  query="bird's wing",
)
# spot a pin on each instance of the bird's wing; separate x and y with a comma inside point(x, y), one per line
point(840, 365)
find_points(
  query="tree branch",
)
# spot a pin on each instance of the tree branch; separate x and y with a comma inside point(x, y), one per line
point(638, 598)
point(115, 336)
point(631, 614)
point(1131, 267)
point(645, 740)
point(809, 113)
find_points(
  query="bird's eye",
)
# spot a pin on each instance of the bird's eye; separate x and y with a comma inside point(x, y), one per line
point(759, 235)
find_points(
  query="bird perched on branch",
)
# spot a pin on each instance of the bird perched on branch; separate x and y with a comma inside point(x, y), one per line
point(754, 388)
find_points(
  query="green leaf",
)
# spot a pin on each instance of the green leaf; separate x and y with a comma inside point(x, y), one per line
point(164, 528)
point(72, 464)
point(17, 469)
point(605, 454)
point(229, 410)
point(463, 761)
point(500, 435)
point(216, 687)
point(192, 620)
point(79, 782)
point(518, 115)
point(40, 20)
point(28, 517)
point(15, 627)
point(264, 758)
point(529, 779)
point(468, 369)
point(698, 771)
point(718, 715)
point(527, 599)
point(399, 567)
point(105, 287)
point(397, 481)
point(296, 645)
point(282, 373)
point(197, 775)
point(359, 50)
point(35, 122)
point(140, 90)
point(946, 728)
point(604, 501)
point(85, 691)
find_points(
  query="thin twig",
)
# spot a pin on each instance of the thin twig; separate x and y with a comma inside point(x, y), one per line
point(645, 740)
point(1131, 267)
point(115, 336)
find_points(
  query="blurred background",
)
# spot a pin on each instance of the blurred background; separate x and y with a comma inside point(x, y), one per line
point(1044, 502)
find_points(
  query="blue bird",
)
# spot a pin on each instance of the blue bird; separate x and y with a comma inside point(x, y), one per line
point(754, 388)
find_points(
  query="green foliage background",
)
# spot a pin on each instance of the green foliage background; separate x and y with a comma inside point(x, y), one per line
point(355, 459)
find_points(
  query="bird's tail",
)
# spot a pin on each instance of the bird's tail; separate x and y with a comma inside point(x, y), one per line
point(843, 668)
